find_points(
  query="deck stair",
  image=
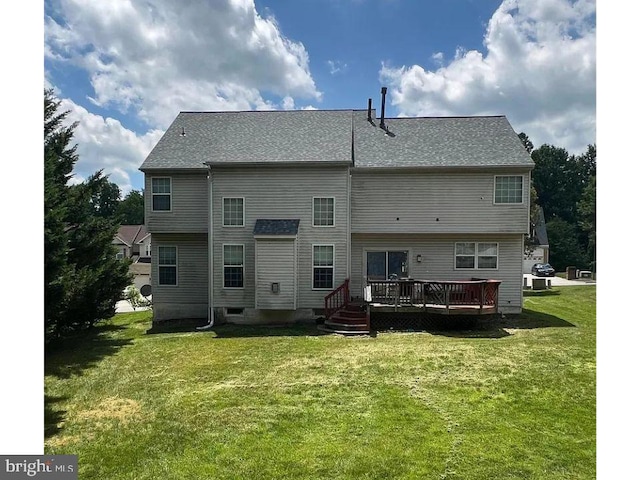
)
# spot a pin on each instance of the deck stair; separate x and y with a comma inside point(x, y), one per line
point(348, 320)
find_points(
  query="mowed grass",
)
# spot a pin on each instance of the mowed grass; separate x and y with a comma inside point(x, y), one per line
point(512, 398)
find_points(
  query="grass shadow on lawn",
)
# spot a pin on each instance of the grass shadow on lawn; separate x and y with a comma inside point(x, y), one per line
point(228, 330)
point(73, 355)
point(540, 293)
point(53, 417)
point(529, 319)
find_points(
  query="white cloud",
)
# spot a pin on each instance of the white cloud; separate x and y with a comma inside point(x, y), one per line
point(104, 143)
point(159, 57)
point(288, 103)
point(539, 70)
point(336, 66)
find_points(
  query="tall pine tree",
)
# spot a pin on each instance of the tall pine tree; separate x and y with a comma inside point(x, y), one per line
point(83, 278)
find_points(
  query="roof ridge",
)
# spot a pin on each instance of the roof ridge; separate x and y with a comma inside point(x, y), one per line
point(273, 111)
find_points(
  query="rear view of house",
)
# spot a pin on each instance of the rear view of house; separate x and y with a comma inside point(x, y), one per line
point(258, 216)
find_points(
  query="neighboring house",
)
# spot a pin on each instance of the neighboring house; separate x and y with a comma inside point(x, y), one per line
point(259, 215)
point(134, 242)
point(539, 251)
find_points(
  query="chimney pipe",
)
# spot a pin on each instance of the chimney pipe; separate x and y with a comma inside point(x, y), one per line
point(384, 93)
point(369, 115)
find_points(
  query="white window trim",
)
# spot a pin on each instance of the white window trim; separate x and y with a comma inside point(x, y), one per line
point(243, 212)
point(170, 195)
point(244, 276)
point(147, 250)
point(475, 256)
point(313, 213)
point(495, 177)
point(333, 267)
point(160, 265)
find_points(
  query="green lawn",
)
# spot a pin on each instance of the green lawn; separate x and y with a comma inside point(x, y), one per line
point(512, 399)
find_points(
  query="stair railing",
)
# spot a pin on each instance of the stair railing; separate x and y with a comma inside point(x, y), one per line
point(336, 300)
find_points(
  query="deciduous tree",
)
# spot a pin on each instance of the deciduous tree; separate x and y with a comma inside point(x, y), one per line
point(131, 209)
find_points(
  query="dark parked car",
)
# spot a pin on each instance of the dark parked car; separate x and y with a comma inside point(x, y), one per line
point(543, 270)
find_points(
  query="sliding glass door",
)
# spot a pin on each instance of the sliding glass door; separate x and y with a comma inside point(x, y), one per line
point(383, 265)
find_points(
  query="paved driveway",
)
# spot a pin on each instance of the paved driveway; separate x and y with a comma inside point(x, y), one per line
point(560, 282)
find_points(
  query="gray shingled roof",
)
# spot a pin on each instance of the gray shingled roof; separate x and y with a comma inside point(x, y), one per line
point(541, 229)
point(276, 227)
point(250, 137)
point(273, 137)
point(438, 142)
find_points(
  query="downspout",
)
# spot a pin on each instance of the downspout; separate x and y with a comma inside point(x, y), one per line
point(349, 224)
point(211, 312)
point(353, 149)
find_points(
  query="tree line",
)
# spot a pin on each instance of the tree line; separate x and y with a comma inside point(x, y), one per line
point(107, 202)
point(564, 186)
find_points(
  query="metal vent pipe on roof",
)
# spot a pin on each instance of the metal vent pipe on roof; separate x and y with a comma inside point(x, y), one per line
point(369, 115)
point(384, 94)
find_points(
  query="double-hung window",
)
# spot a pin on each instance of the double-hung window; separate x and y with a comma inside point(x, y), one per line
point(508, 189)
point(323, 211)
point(233, 259)
point(167, 265)
point(161, 194)
point(476, 255)
point(233, 212)
point(323, 260)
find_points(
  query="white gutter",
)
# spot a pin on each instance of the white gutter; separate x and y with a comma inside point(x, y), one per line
point(211, 312)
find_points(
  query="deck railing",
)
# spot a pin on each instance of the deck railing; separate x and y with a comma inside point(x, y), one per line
point(337, 299)
point(395, 292)
point(481, 294)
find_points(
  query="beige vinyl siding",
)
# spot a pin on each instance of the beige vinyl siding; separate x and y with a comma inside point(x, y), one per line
point(434, 202)
point(438, 260)
point(188, 204)
point(275, 263)
point(280, 193)
point(192, 269)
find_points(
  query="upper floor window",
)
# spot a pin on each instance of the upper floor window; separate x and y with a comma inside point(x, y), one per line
point(508, 189)
point(161, 194)
point(233, 212)
point(323, 211)
point(474, 255)
point(167, 265)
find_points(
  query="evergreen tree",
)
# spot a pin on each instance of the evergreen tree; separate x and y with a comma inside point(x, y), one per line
point(83, 278)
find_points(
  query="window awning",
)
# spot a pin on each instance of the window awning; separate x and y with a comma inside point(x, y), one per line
point(280, 227)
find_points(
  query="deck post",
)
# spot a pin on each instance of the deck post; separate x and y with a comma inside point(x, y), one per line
point(447, 292)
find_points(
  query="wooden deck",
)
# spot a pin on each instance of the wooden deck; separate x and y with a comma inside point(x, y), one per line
point(462, 297)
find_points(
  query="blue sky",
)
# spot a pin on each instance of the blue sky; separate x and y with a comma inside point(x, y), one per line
point(125, 69)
